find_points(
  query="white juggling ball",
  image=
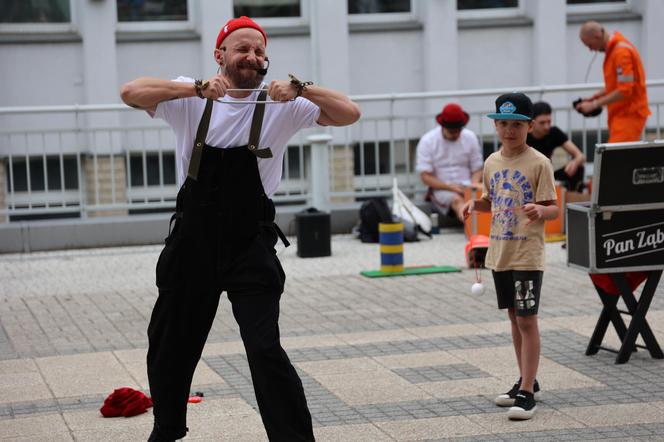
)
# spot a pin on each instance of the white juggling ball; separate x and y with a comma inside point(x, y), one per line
point(477, 288)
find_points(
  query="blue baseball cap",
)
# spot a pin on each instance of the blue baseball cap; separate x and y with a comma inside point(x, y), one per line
point(513, 106)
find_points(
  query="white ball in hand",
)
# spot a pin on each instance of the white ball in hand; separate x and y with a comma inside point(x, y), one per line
point(477, 288)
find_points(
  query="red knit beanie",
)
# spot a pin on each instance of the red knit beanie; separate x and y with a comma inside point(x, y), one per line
point(238, 23)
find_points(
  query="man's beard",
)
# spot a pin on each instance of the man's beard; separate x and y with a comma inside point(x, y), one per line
point(453, 137)
point(243, 79)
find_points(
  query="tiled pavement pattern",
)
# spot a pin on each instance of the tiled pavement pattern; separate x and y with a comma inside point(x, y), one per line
point(408, 358)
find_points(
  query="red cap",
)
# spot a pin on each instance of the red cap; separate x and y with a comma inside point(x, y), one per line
point(452, 116)
point(237, 23)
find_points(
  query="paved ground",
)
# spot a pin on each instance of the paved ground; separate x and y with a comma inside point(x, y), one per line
point(408, 358)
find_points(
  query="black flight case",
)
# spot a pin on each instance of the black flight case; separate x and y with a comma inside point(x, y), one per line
point(621, 230)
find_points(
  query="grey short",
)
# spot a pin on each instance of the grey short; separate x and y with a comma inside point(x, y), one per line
point(519, 290)
point(442, 199)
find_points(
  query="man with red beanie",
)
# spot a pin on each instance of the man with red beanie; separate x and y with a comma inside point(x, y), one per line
point(229, 159)
point(449, 159)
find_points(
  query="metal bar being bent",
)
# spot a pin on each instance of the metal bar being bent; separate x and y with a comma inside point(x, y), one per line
point(253, 102)
point(250, 102)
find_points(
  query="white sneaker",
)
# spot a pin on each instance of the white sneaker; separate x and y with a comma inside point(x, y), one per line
point(507, 399)
point(524, 406)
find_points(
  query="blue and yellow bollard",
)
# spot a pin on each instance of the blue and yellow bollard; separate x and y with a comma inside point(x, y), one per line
point(391, 247)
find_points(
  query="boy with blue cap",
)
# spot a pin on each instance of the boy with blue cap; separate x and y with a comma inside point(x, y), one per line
point(519, 191)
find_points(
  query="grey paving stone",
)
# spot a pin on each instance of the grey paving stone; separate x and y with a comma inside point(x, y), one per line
point(441, 373)
point(76, 303)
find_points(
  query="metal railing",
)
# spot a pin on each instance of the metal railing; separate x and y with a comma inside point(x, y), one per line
point(91, 160)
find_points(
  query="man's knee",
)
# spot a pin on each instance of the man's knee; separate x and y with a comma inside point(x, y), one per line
point(457, 205)
point(261, 346)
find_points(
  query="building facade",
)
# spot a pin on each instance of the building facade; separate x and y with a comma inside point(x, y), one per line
point(80, 52)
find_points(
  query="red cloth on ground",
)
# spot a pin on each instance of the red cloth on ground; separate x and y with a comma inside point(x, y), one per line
point(605, 282)
point(125, 402)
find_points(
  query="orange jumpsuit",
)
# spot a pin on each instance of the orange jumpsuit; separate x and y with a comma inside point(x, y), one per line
point(623, 71)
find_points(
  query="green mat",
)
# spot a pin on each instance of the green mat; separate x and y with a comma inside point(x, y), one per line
point(411, 271)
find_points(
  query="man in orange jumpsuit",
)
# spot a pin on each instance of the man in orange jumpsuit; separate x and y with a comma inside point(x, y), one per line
point(624, 91)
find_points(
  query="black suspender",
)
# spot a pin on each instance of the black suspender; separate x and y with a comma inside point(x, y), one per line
point(254, 135)
point(256, 125)
point(201, 133)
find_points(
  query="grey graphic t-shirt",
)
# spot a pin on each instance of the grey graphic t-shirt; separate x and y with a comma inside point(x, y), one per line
point(510, 183)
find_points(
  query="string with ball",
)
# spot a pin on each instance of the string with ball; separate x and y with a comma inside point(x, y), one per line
point(477, 288)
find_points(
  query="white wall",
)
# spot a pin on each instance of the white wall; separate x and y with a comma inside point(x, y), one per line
point(386, 60)
point(159, 60)
point(495, 58)
point(384, 63)
point(41, 74)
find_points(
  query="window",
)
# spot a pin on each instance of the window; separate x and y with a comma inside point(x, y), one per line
point(35, 11)
point(583, 2)
point(292, 166)
point(37, 16)
point(486, 4)
point(267, 8)
point(595, 6)
point(489, 9)
point(146, 172)
point(152, 172)
point(381, 12)
point(152, 10)
point(378, 6)
point(37, 183)
point(291, 16)
point(154, 15)
point(365, 159)
point(22, 172)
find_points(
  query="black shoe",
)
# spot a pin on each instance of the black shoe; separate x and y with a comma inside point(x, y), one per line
point(155, 436)
point(507, 399)
point(159, 436)
point(524, 406)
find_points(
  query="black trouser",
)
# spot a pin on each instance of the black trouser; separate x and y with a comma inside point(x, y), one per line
point(278, 389)
point(223, 240)
point(574, 182)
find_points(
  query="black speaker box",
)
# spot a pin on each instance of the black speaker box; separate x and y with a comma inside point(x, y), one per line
point(313, 234)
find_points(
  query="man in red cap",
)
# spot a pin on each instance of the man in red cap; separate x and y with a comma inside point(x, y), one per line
point(229, 159)
point(449, 159)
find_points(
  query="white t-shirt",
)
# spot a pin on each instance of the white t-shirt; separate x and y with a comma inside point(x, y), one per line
point(452, 162)
point(230, 125)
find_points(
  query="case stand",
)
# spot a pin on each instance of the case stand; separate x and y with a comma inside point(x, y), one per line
point(638, 324)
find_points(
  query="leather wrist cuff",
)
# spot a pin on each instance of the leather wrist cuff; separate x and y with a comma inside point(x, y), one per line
point(200, 86)
point(300, 85)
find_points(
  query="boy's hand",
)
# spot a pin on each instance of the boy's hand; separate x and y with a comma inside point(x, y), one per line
point(468, 207)
point(533, 212)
